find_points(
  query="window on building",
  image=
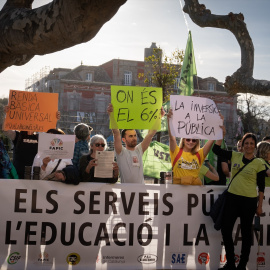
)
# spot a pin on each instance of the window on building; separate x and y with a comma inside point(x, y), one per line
point(89, 77)
point(127, 78)
point(211, 86)
point(73, 101)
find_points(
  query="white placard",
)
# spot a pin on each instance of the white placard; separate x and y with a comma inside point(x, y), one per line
point(104, 168)
point(195, 118)
point(56, 146)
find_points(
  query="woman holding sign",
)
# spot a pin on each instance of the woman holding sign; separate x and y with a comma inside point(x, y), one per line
point(47, 164)
point(187, 158)
point(247, 173)
point(89, 162)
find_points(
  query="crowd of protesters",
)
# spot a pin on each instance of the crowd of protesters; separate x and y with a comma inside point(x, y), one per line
point(248, 169)
point(189, 161)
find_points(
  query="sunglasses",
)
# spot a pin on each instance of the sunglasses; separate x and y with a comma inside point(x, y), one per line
point(100, 144)
point(193, 140)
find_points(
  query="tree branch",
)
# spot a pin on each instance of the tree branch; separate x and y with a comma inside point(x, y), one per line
point(241, 81)
point(26, 32)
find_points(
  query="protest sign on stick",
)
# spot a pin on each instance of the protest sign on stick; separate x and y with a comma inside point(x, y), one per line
point(195, 117)
point(136, 107)
point(31, 111)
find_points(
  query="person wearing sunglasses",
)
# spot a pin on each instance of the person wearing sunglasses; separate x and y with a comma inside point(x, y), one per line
point(88, 162)
point(187, 158)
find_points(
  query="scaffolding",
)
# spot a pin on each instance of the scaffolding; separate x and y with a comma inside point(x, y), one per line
point(37, 82)
point(92, 111)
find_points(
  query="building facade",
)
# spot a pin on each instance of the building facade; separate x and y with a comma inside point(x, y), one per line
point(84, 93)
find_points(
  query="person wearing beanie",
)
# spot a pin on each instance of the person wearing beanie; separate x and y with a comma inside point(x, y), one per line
point(82, 132)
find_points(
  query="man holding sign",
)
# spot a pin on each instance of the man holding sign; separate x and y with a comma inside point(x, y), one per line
point(129, 158)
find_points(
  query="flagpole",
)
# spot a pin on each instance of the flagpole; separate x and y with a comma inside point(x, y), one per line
point(185, 19)
point(188, 69)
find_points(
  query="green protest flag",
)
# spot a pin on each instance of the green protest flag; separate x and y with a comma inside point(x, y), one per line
point(136, 107)
point(213, 158)
point(143, 132)
point(188, 70)
point(164, 124)
point(156, 159)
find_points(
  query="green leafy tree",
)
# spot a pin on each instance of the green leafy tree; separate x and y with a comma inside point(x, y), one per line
point(163, 71)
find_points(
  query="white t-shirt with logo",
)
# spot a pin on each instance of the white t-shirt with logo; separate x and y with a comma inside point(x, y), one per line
point(130, 165)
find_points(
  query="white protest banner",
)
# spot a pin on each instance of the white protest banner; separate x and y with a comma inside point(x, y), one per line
point(195, 118)
point(56, 146)
point(50, 225)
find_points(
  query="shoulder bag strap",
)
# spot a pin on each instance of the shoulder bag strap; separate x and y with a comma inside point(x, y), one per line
point(199, 158)
point(56, 166)
point(239, 172)
point(179, 154)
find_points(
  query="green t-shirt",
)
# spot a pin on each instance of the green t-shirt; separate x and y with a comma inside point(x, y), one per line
point(203, 172)
point(245, 183)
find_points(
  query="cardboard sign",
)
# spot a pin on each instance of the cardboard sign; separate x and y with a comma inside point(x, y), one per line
point(195, 117)
point(31, 111)
point(136, 107)
point(56, 146)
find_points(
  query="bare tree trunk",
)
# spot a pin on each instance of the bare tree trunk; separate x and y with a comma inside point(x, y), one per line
point(241, 81)
point(26, 32)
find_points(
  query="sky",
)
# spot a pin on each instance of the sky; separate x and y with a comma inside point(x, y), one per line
point(138, 23)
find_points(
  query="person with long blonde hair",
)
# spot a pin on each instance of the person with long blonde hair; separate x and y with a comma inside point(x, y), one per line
point(187, 158)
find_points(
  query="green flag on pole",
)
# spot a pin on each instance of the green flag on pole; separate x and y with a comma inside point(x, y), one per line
point(213, 158)
point(164, 124)
point(156, 159)
point(188, 70)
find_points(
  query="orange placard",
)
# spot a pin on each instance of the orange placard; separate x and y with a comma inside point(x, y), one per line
point(31, 111)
